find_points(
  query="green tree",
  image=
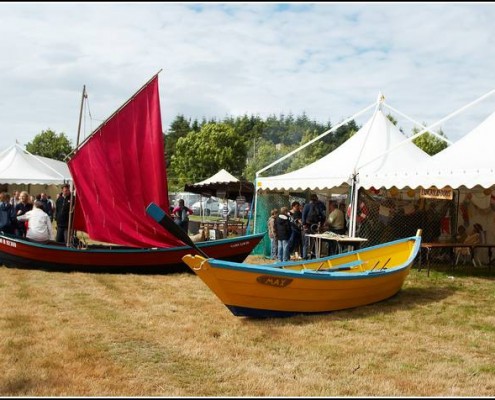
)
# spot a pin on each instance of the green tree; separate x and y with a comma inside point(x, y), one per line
point(179, 127)
point(200, 155)
point(263, 152)
point(392, 119)
point(429, 143)
point(51, 145)
point(311, 153)
point(249, 128)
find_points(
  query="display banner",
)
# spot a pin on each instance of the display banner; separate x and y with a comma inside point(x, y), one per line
point(434, 193)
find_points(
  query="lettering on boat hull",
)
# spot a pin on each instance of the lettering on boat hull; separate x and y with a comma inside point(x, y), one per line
point(239, 244)
point(273, 281)
point(8, 242)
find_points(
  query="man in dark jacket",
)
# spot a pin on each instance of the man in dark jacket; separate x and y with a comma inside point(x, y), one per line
point(313, 217)
point(313, 212)
point(62, 209)
point(283, 229)
point(47, 206)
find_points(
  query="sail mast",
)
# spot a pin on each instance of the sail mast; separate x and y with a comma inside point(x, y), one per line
point(71, 208)
point(111, 116)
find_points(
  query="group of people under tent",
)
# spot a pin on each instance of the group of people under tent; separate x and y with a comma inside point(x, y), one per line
point(288, 229)
point(32, 217)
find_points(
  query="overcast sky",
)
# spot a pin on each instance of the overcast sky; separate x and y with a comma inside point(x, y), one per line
point(329, 60)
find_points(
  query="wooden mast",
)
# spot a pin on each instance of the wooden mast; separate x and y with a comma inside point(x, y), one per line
point(71, 209)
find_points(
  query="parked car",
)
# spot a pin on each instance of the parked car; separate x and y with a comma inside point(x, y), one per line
point(210, 206)
point(189, 198)
point(214, 206)
point(242, 210)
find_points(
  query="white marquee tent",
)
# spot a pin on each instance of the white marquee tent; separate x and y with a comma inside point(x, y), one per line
point(363, 154)
point(468, 162)
point(378, 145)
point(17, 166)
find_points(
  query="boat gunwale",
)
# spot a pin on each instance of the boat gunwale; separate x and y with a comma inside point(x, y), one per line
point(277, 268)
point(114, 248)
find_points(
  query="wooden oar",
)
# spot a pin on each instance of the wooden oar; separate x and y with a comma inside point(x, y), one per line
point(160, 216)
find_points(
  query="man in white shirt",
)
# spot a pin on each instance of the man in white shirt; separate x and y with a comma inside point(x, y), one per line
point(336, 219)
point(334, 223)
point(39, 225)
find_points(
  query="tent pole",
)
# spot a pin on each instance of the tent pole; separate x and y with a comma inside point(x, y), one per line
point(378, 103)
point(351, 209)
point(355, 192)
point(255, 205)
point(355, 186)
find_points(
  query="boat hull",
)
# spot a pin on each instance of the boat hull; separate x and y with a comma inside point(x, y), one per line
point(28, 254)
point(333, 283)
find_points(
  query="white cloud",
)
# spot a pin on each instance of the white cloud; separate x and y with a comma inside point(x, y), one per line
point(329, 60)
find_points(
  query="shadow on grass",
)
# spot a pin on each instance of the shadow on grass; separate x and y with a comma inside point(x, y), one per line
point(407, 298)
point(133, 270)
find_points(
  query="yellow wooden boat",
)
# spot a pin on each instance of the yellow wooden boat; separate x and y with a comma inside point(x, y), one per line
point(320, 285)
point(333, 283)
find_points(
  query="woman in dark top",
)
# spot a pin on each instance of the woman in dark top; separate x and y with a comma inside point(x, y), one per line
point(20, 209)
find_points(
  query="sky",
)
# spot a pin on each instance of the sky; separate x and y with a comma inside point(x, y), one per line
point(329, 60)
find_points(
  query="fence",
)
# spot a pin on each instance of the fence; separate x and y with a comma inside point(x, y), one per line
point(386, 215)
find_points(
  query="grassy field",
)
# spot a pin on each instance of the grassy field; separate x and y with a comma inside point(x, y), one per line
point(82, 334)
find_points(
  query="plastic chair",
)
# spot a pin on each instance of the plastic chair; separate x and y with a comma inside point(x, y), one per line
point(464, 253)
point(475, 257)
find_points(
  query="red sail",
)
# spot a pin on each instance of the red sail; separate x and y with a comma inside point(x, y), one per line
point(119, 170)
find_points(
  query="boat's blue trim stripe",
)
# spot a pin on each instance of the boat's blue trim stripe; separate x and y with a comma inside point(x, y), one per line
point(274, 269)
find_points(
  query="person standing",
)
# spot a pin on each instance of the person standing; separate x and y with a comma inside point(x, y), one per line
point(313, 216)
point(272, 234)
point(282, 227)
point(62, 210)
point(295, 217)
point(39, 227)
point(181, 215)
point(314, 213)
point(14, 200)
point(47, 205)
point(20, 209)
point(7, 214)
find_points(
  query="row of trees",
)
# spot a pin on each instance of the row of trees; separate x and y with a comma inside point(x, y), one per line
point(242, 145)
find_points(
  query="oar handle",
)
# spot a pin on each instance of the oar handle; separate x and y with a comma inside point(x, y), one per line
point(160, 216)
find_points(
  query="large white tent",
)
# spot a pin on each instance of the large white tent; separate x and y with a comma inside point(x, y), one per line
point(469, 162)
point(365, 153)
point(378, 145)
point(18, 166)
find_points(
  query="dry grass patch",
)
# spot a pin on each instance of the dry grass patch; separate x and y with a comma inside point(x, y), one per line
point(82, 334)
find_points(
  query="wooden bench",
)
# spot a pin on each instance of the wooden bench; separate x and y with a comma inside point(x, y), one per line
point(428, 247)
